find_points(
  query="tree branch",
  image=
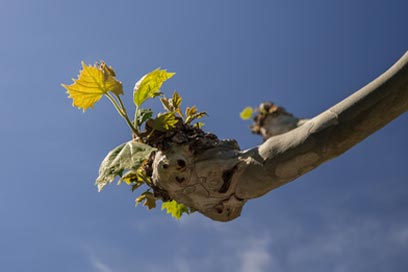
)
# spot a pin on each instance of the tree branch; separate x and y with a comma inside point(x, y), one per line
point(285, 157)
point(220, 179)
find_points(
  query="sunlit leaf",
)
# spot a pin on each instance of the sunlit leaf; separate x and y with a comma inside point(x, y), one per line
point(246, 113)
point(92, 83)
point(165, 121)
point(199, 115)
point(149, 85)
point(127, 156)
point(149, 200)
point(176, 100)
point(192, 114)
point(172, 104)
point(191, 111)
point(174, 208)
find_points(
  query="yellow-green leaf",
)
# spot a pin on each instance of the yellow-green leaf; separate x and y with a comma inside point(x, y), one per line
point(165, 121)
point(149, 200)
point(246, 113)
point(199, 124)
point(191, 111)
point(149, 85)
point(192, 114)
point(172, 104)
point(176, 100)
point(174, 208)
point(135, 178)
point(132, 179)
point(93, 82)
point(129, 178)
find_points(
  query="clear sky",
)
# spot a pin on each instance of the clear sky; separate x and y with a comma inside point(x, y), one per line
point(350, 214)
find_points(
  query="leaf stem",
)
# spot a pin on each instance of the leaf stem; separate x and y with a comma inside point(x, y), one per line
point(135, 120)
point(134, 127)
point(121, 110)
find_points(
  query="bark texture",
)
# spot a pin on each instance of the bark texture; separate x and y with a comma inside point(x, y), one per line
point(218, 181)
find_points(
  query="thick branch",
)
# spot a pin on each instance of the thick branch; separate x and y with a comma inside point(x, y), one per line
point(283, 158)
point(216, 178)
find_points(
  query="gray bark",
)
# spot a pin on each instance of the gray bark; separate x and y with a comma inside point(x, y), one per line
point(219, 181)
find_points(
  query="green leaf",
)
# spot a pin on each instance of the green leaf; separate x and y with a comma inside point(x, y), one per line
point(92, 83)
point(149, 200)
point(165, 121)
point(127, 156)
point(246, 113)
point(149, 85)
point(175, 209)
point(144, 115)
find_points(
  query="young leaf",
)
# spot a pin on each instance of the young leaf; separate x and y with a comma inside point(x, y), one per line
point(165, 121)
point(127, 156)
point(149, 200)
point(191, 111)
point(176, 100)
point(172, 104)
point(108, 70)
point(135, 178)
point(192, 114)
point(246, 113)
point(175, 209)
point(130, 178)
point(144, 115)
point(92, 83)
point(167, 105)
point(199, 125)
point(149, 85)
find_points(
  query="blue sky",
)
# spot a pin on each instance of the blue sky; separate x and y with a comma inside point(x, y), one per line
point(350, 214)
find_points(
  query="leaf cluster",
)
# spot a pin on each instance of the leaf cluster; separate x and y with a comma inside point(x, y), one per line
point(149, 87)
point(130, 161)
